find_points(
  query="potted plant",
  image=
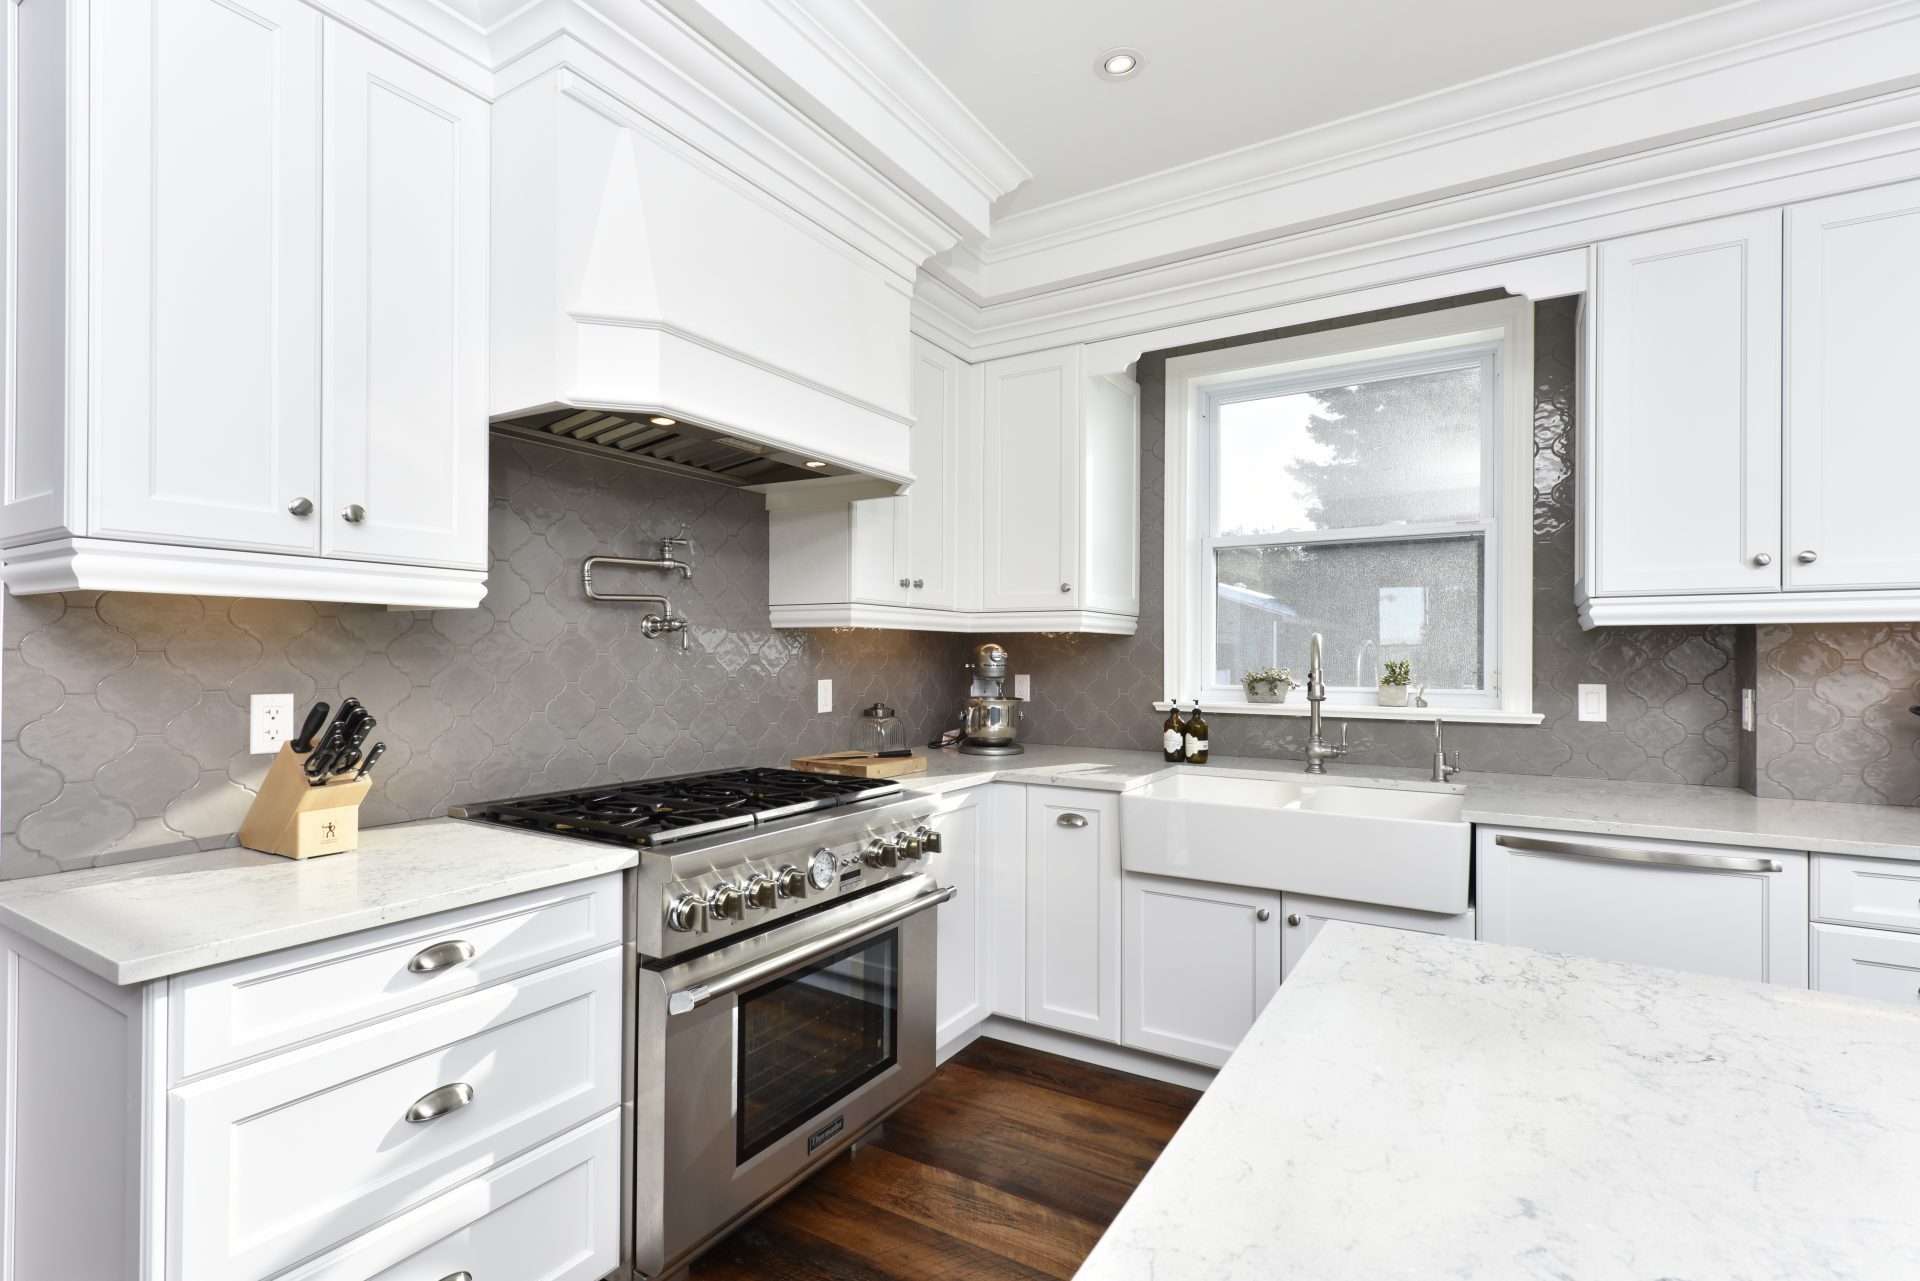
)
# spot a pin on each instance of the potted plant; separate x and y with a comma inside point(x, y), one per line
point(1269, 684)
point(1393, 685)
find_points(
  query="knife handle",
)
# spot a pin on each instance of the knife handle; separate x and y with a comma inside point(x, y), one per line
point(315, 719)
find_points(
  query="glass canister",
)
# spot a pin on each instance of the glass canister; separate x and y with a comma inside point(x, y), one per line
point(880, 732)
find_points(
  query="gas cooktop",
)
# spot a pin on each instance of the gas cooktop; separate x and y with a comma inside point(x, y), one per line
point(659, 811)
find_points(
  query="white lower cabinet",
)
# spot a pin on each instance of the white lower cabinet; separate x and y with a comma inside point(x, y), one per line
point(963, 969)
point(1304, 915)
point(1711, 909)
point(1877, 963)
point(1073, 911)
point(1202, 961)
point(1865, 936)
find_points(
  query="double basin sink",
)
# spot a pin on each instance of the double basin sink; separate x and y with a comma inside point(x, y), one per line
point(1398, 848)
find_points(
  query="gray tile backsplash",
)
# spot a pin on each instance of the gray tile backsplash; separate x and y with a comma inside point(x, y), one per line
point(1673, 704)
point(1833, 719)
point(125, 731)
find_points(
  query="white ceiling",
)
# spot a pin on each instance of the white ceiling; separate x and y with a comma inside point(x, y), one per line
point(1217, 75)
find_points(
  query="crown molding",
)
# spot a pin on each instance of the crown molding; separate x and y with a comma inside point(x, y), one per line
point(1759, 60)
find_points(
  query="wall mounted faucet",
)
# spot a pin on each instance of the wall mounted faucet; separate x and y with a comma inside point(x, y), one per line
point(652, 626)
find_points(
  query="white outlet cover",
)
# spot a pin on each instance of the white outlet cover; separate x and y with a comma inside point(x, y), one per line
point(1746, 710)
point(269, 722)
point(1023, 686)
point(823, 698)
point(1593, 702)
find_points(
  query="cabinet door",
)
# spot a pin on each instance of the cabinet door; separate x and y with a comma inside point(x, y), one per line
point(406, 311)
point(206, 240)
point(1710, 909)
point(963, 971)
point(878, 532)
point(1305, 914)
point(1073, 912)
point(1853, 432)
point(1684, 451)
point(1875, 963)
point(1201, 962)
point(931, 517)
point(1032, 483)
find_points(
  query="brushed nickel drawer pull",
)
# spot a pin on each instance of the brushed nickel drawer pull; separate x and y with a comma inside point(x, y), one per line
point(1657, 858)
point(441, 956)
point(1072, 820)
point(462, 1275)
point(437, 1103)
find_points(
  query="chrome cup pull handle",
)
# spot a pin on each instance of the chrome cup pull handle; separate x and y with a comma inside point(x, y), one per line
point(435, 1104)
point(462, 1275)
point(441, 956)
point(1072, 820)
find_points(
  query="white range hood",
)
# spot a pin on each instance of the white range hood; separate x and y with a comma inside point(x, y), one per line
point(634, 274)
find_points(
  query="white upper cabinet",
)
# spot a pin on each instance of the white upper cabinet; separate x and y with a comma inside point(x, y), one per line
point(270, 313)
point(1853, 444)
point(1685, 490)
point(930, 527)
point(1032, 491)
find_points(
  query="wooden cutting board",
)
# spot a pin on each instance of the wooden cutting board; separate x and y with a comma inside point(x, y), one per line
point(861, 764)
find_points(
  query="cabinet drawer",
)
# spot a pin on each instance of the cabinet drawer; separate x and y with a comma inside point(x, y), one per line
point(265, 1003)
point(553, 1214)
point(1867, 891)
point(273, 1161)
point(1873, 963)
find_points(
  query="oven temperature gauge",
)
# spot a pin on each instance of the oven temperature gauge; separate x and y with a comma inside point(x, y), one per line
point(823, 870)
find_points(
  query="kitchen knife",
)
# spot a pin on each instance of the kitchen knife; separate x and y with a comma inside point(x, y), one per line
point(315, 719)
point(374, 753)
point(349, 754)
point(316, 766)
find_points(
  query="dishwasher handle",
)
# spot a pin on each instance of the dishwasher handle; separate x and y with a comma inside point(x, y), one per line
point(1655, 858)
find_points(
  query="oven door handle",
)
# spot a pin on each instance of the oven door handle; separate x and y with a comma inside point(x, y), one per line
point(689, 999)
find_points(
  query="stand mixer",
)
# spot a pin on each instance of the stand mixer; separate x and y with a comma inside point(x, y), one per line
point(990, 722)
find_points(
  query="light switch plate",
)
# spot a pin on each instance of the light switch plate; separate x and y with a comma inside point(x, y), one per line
point(823, 699)
point(1022, 686)
point(1746, 710)
point(1593, 702)
point(269, 722)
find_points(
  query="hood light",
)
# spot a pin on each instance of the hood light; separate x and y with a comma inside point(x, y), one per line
point(661, 420)
point(816, 463)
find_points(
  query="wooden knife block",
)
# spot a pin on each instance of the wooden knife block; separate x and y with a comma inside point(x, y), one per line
point(293, 818)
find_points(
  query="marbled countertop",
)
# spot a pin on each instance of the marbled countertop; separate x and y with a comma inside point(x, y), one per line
point(1415, 1106)
point(141, 921)
point(1666, 811)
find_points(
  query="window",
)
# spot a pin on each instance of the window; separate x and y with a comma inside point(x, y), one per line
point(1364, 484)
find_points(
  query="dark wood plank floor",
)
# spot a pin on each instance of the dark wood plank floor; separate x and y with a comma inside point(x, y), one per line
point(1009, 1164)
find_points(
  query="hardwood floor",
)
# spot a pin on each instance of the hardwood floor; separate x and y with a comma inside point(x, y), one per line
point(1009, 1164)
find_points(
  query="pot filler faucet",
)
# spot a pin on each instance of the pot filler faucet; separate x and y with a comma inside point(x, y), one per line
point(652, 626)
point(1319, 751)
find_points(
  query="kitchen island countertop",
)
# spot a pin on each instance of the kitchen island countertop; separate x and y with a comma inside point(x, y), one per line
point(1417, 1106)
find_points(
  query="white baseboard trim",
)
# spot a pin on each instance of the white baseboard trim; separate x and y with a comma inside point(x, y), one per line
point(1117, 1058)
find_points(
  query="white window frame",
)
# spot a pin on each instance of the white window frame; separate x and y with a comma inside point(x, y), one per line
point(1501, 334)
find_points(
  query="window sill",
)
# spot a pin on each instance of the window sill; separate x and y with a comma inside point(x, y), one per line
point(1368, 712)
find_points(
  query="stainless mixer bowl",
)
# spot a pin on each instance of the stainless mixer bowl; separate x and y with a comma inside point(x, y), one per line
point(991, 720)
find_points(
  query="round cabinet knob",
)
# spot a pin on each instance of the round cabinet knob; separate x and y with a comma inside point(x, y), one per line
point(727, 903)
point(353, 513)
point(1066, 587)
point(301, 507)
point(1293, 918)
point(792, 882)
point(919, 582)
point(905, 583)
point(760, 891)
point(1807, 557)
point(688, 914)
point(1763, 559)
point(1263, 915)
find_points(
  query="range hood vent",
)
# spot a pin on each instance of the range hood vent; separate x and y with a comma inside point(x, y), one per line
point(681, 448)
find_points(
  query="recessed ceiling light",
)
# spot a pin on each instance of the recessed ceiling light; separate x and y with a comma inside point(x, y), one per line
point(816, 463)
point(1118, 64)
point(661, 420)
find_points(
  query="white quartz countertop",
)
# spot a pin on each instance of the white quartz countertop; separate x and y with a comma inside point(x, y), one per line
point(1665, 811)
point(142, 921)
point(1415, 1106)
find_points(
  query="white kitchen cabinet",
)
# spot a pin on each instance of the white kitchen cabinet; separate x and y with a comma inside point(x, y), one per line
point(1880, 964)
point(963, 969)
point(1073, 911)
point(1711, 909)
point(1683, 473)
point(1877, 892)
point(256, 302)
point(1853, 439)
point(1201, 962)
point(1303, 916)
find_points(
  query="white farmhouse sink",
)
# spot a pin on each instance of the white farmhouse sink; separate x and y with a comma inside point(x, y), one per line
point(1365, 844)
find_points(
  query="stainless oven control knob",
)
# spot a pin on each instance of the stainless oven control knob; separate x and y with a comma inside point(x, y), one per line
point(881, 853)
point(727, 903)
point(909, 844)
point(688, 914)
point(760, 891)
point(929, 839)
point(792, 882)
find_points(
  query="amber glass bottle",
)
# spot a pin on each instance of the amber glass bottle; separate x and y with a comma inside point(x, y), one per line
point(1173, 736)
point(1196, 737)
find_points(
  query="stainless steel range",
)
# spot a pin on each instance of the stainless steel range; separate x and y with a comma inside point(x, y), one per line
point(784, 979)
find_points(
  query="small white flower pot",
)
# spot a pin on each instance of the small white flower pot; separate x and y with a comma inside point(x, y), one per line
point(1393, 696)
point(1268, 694)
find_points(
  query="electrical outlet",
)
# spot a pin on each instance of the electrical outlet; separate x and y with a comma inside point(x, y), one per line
point(823, 697)
point(269, 722)
point(1023, 687)
point(1746, 710)
point(1593, 702)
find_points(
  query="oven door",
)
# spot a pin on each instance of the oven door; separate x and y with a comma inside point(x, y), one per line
point(761, 1060)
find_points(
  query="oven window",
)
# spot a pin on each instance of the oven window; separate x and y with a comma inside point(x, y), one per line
point(811, 1038)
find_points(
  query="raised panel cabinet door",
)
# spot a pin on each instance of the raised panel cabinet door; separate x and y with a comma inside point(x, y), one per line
point(963, 973)
point(932, 516)
point(1684, 449)
point(1073, 913)
point(1031, 488)
point(206, 227)
point(1735, 912)
point(406, 312)
point(1201, 962)
point(1853, 422)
